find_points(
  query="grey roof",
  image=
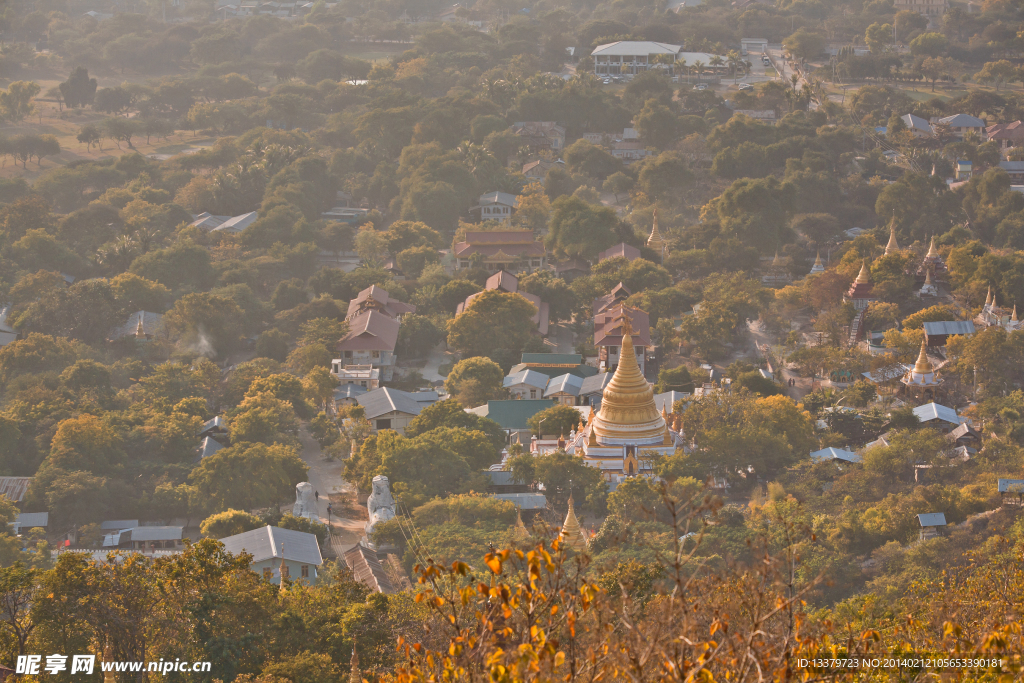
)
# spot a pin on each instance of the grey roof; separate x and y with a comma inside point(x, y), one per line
point(636, 47)
point(29, 520)
point(271, 542)
point(425, 396)
point(14, 488)
point(499, 197)
point(1017, 166)
point(387, 400)
point(668, 399)
point(933, 411)
point(216, 422)
point(530, 378)
point(962, 121)
point(1011, 486)
point(916, 122)
point(595, 384)
point(500, 478)
point(118, 524)
point(949, 327)
point(237, 223)
point(349, 391)
point(566, 384)
point(831, 453)
point(932, 519)
point(208, 447)
point(524, 501)
point(157, 533)
point(965, 429)
point(152, 324)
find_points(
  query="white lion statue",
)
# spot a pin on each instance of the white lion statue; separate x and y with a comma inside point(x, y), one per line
point(380, 504)
point(305, 502)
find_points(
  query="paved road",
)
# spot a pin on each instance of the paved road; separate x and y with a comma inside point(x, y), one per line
point(327, 480)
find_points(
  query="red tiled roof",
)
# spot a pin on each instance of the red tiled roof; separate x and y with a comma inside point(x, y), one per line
point(619, 293)
point(503, 280)
point(1006, 131)
point(608, 326)
point(370, 331)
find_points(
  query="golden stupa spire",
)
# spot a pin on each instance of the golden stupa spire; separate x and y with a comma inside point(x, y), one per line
point(628, 413)
point(572, 534)
point(520, 533)
point(931, 249)
point(892, 245)
point(775, 261)
point(1013, 318)
point(988, 297)
point(923, 366)
point(655, 241)
point(928, 276)
point(817, 260)
point(864, 277)
point(139, 331)
point(994, 304)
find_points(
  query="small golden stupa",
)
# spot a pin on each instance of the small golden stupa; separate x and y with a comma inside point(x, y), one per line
point(628, 414)
point(520, 533)
point(572, 534)
point(864, 276)
point(656, 241)
point(892, 246)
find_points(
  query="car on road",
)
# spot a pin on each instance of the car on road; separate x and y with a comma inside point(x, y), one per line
point(746, 86)
point(700, 86)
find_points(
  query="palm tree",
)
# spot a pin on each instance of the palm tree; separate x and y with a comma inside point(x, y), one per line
point(699, 66)
point(734, 61)
point(682, 64)
point(716, 61)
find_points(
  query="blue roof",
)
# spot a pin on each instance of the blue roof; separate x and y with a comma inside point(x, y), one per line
point(513, 414)
point(831, 453)
point(568, 384)
point(530, 378)
point(932, 519)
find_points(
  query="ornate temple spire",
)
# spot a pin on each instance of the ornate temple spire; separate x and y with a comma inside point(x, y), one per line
point(628, 413)
point(932, 253)
point(1013, 318)
point(923, 366)
point(139, 331)
point(520, 533)
point(572, 534)
point(892, 245)
point(656, 241)
point(864, 277)
point(988, 297)
point(817, 260)
point(775, 261)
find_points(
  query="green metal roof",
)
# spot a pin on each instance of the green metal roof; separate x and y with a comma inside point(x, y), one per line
point(553, 358)
point(514, 414)
point(583, 371)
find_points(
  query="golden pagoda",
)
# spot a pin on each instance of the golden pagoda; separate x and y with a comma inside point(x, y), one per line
point(520, 532)
point(864, 276)
point(861, 292)
point(818, 267)
point(655, 241)
point(628, 414)
point(572, 534)
point(932, 253)
point(892, 246)
point(922, 377)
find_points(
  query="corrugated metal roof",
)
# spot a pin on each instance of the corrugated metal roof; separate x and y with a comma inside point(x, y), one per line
point(530, 378)
point(637, 47)
point(15, 488)
point(565, 384)
point(1011, 486)
point(831, 453)
point(524, 501)
point(596, 383)
point(118, 524)
point(29, 520)
point(512, 414)
point(932, 519)
point(387, 400)
point(157, 533)
point(271, 542)
point(949, 327)
point(933, 411)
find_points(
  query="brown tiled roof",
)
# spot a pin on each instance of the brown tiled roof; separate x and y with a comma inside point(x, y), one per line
point(574, 263)
point(532, 249)
point(1006, 131)
point(370, 331)
point(503, 280)
point(375, 298)
point(621, 249)
point(619, 293)
point(608, 326)
point(367, 569)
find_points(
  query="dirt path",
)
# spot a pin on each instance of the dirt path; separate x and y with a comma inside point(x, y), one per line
point(326, 478)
